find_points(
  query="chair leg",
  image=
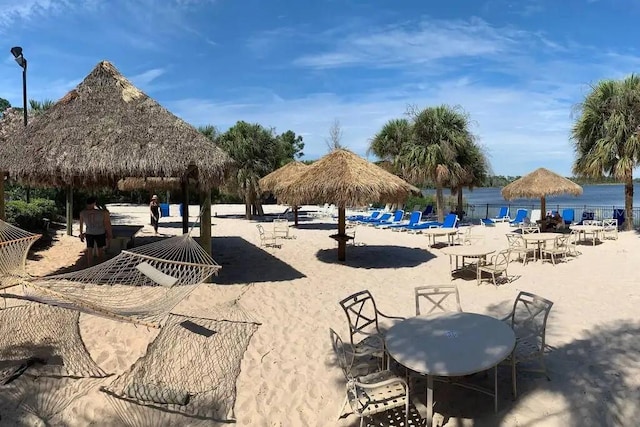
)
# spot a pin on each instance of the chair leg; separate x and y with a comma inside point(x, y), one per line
point(346, 399)
point(513, 377)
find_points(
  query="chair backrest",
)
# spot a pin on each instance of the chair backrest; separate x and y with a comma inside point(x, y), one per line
point(260, 231)
point(532, 228)
point(500, 261)
point(428, 210)
point(362, 314)
point(521, 214)
point(536, 215)
point(515, 241)
point(610, 223)
point(415, 217)
point(504, 212)
point(384, 217)
point(375, 214)
point(344, 358)
point(568, 215)
point(441, 298)
point(397, 217)
point(450, 221)
point(529, 318)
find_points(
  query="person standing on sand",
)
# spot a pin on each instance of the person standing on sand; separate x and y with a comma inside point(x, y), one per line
point(97, 223)
point(154, 206)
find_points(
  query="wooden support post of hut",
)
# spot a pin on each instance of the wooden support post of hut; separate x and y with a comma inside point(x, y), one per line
point(185, 206)
point(69, 210)
point(205, 221)
point(2, 211)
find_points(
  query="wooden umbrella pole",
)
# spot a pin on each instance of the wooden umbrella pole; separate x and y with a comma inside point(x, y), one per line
point(342, 242)
point(543, 214)
point(295, 215)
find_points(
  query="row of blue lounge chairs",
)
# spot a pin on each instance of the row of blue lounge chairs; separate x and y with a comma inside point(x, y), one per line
point(396, 222)
point(568, 215)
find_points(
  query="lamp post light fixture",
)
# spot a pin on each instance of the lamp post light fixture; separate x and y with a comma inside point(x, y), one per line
point(22, 62)
point(16, 51)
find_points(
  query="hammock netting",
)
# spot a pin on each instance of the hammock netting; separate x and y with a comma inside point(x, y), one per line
point(14, 247)
point(45, 340)
point(189, 371)
point(141, 285)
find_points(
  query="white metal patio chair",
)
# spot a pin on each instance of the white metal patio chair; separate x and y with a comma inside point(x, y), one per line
point(518, 246)
point(370, 394)
point(365, 334)
point(497, 265)
point(610, 228)
point(268, 240)
point(528, 319)
point(559, 248)
point(441, 298)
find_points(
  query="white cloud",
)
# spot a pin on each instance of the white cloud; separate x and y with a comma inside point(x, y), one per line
point(147, 77)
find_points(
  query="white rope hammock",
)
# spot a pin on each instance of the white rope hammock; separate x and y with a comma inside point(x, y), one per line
point(14, 247)
point(141, 285)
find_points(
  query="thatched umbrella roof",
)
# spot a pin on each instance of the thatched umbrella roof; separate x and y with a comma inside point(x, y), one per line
point(106, 129)
point(151, 184)
point(345, 179)
point(286, 173)
point(540, 183)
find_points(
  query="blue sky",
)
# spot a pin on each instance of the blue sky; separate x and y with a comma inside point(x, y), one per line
point(517, 67)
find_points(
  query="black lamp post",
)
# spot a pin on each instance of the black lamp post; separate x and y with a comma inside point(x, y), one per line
point(22, 62)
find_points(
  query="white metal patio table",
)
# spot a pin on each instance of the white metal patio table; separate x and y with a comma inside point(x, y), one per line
point(432, 233)
point(477, 252)
point(594, 230)
point(451, 344)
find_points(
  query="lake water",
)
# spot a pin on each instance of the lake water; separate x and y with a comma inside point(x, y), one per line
point(611, 195)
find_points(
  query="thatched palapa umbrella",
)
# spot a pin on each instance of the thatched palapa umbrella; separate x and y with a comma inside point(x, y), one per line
point(282, 176)
point(539, 184)
point(107, 129)
point(345, 179)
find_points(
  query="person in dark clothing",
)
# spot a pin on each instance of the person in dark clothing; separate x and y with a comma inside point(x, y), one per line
point(154, 206)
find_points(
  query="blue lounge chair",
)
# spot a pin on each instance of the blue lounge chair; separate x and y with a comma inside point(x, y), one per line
point(373, 215)
point(413, 220)
point(502, 216)
point(397, 219)
point(450, 221)
point(521, 214)
point(488, 222)
point(384, 217)
point(568, 215)
point(619, 215)
point(428, 212)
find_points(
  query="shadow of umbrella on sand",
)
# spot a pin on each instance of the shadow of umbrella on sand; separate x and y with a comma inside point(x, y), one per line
point(345, 179)
point(539, 184)
point(282, 176)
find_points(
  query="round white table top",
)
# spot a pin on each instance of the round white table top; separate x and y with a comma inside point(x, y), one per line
point(537, 237)
point(450, 344)
point(440, 231)
point(586, 227)
point(468, 250)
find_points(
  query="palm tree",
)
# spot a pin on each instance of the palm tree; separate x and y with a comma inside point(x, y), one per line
point(38, 107)
point(438, 135)
point(254, 150)
point(472, 170)
point(606, 135)
point(387, 144)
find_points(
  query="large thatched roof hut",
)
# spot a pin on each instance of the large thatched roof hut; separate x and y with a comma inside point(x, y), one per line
point(281, 175)
point(345, 179)
point(106, 129)
point(539, 184)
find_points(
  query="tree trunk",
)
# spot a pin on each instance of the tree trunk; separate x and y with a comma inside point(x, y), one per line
point(440, 203)
point(247, 205)
point(628, 203)
point(258, 206)
point(459, 207)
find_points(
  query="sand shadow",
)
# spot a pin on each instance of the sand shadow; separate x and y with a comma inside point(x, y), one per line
point(243, 262)
point(378, 257)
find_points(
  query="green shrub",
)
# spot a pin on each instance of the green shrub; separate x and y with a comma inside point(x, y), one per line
point(30, 216)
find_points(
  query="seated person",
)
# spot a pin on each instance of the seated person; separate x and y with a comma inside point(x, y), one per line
point(555, 222)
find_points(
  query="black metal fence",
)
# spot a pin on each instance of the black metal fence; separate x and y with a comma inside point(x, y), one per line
point(491, 210)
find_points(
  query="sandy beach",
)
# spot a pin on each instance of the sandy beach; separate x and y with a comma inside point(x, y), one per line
point(289, 376)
